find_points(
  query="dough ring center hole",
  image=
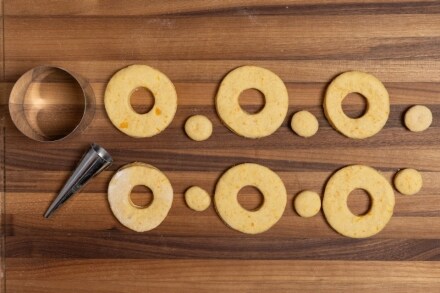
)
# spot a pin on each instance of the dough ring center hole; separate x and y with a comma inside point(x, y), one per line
point(359, 202)
point(354, 105)
point(250, 198)
point(142, 100)
point(252, 101)
point(141, 196)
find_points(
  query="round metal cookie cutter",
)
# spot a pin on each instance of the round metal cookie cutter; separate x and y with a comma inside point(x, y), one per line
point(18, 96)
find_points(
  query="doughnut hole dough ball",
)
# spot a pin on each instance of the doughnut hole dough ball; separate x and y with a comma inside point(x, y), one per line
point(197, 198)
point(307, 203)
point(418, 118)
point(378, 104)
point(408, 181)
point(304, 124)
point(198, 127)
point(118, 107)
point(260, 124)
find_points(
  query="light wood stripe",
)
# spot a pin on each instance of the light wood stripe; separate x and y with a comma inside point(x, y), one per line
point(203, 94)
point(214, 70)
point(156, 7)
point(215, 275)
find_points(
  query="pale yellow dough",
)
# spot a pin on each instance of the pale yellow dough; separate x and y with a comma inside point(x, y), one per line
point(378, 104)
point(408, 181)
point(118, 107)
point(307, 203)
point(304, 124)
point(263, 123)
point(130, 215)
point(239, 218)
point(335, 206)
point(197, 198)
point(198, 127)
point(418, 118)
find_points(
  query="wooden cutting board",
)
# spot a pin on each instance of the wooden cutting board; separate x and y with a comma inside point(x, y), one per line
point(83, 248)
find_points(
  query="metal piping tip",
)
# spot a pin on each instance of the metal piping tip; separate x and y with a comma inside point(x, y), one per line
point(94, 161)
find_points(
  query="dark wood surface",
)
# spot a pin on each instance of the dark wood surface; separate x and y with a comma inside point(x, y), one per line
point(83, 247)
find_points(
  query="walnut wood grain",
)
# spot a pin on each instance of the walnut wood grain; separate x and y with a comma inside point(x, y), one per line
point(222, 275)
point(3, 114)
point(140, 38)
point(203, 71)
point(307, 43)
point(194, 7)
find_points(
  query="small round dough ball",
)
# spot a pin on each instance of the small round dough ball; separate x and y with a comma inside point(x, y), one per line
point(197, 198)
point(198, 127)
point(418, 118)
point(408, 181)
point(304, 124)
point(307, 203)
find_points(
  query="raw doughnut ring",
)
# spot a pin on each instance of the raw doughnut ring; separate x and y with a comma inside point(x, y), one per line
point(378, 104)
point(335, 206)
point(263, 123)
point(237, 217)
point(118, 107)
point(130, 215)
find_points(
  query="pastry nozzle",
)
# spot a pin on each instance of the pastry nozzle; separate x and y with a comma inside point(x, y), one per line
point(94, 161)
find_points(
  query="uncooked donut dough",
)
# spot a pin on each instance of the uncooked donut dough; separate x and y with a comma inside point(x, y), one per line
point(239, 218)
point(378, 104)
point(263, 123)
point(197, 198)
point(307, 203)
point(130, 215)
point(337, 191)
point(198, 127)
point(304, 124)
point(118, 107)
point(408, 181)
point(418, 118)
